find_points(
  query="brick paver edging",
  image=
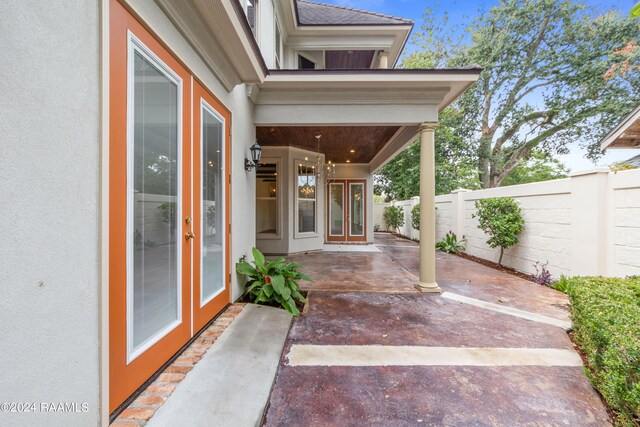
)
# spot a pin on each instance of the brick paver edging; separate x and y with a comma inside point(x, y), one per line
point(143, 408)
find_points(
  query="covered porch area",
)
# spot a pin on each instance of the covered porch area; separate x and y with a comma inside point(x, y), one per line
point(324, 133)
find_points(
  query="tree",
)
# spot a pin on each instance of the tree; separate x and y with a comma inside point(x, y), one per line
point(455, 165)
point(539, 167)
point(501, 220)
point(553, 73)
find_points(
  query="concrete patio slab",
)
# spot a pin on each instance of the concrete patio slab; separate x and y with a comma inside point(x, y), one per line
point(354, 271)
point(467, 391)
point(230, 385)
point(471, 279)
point(434, 396)
point(508, 310)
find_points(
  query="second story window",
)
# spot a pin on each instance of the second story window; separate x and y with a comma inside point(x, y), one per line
point(278, 47)
point(252, 16)
point(305, 64)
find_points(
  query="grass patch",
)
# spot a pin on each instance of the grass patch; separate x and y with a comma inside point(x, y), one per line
point(606, 322)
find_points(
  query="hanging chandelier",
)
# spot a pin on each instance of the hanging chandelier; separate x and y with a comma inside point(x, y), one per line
point(322, 169)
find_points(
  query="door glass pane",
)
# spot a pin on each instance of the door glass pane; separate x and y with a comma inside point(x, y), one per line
point(267, 198)
point(306, 199)
point(212, 261)
point(357, 209)
point(155, 202)
point(336, 210)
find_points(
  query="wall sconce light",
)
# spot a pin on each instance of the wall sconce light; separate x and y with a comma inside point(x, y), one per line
point(256, 153)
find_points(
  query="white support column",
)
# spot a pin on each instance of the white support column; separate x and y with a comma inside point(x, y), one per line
point(427, 210)
point(383, 60)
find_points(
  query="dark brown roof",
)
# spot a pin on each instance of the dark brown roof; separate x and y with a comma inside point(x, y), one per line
point(313, 13)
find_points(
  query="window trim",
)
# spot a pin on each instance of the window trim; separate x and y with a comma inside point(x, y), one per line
point(134, 45)
point(297, 233)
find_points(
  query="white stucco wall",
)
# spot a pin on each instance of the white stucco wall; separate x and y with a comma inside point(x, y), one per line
point(588, 224)
point(49, 209)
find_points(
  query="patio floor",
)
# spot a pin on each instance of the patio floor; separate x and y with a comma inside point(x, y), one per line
point(373, 351)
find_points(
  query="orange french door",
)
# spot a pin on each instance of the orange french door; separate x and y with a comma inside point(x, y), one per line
point(168, 205)
point(211, 206)
point(346, 210)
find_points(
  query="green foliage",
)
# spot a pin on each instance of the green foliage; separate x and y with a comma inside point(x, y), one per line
point(376, 227)
point(415, 217)
point(500, 218)
point(540, 166)
point(635, 11)
point(274, 281)
point(555, 72)
point(455, 164)
point(450, 243)
point(606, 321)
point(394, 217)
point(562, 284)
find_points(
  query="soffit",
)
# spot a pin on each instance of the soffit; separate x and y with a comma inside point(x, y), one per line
point(626, 134)
point(219, 32)
point(336, 142)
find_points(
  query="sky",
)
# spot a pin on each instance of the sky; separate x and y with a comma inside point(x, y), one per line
point(459, 11)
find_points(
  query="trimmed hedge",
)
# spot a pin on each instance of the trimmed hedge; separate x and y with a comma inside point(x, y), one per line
point(606, 321)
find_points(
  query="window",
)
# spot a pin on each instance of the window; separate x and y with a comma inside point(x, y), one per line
point(278, 47)
point(252, 16)
point(305, 64)
point(267, 198)
point(306, 199)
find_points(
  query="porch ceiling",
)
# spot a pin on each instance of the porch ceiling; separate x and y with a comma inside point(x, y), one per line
point(337, 142)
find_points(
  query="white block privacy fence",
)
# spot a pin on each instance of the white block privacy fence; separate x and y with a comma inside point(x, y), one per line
point(587, 224)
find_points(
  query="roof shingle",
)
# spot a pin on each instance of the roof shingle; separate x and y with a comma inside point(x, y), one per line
point(313, 13)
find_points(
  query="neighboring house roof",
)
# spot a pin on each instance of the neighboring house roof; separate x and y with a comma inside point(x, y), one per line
point(312, 13)
point(626, 134)
point(634, 161)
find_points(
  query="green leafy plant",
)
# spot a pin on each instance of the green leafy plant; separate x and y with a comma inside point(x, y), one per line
point(606, 323)
point(562, 284)
point(450, 243)
point(415, 217)
point(273, 282)
point(501, 219)
point(376, 227)
point(169, 214)
point(394, 217)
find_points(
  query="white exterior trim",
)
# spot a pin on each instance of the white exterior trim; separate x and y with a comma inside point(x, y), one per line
point(135, 45)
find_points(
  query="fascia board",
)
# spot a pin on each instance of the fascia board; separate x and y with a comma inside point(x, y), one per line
point(620, 129)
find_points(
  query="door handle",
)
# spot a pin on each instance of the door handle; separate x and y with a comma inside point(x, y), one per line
point(190, 235)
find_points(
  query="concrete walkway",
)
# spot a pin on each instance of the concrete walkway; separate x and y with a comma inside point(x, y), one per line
point(383, 355)
point(231, 384)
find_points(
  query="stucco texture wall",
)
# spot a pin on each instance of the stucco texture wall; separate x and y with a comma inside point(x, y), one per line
point(49, 193)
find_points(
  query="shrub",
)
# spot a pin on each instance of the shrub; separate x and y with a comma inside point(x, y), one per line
point(450, 243)
point(273, 282)
point(415, 217)
point(376, 227)
point(394, 217)
point(606, 321)
point(500, 218)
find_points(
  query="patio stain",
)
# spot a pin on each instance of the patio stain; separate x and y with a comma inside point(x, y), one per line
point(426, 395)
point(461, 276)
